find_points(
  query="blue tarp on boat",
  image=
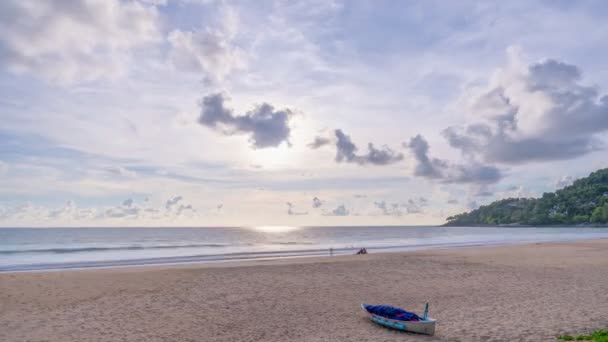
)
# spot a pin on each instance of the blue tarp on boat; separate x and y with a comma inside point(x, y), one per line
point(392, 312)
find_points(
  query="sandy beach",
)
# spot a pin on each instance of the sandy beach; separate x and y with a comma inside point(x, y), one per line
point(509, 293)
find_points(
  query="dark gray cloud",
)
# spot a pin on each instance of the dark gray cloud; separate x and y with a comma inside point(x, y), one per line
point(346, 151)
point(501, 147)
point(426, 167)
point(316, 202)
point(542, 114)
point(447, 172)
point(265, 126)
point(292, 212)
point(452, 201)
point(319, 142)
point(128, 202)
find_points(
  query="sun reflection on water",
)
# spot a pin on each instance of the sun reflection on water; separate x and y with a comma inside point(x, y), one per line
point(275, 229)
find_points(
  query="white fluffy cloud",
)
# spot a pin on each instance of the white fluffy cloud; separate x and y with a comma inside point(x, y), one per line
point(68, 41)
point(207, 50)
point(537, 112)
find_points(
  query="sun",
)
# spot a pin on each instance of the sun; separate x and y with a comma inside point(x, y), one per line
point(275, 229)
point(273, 158)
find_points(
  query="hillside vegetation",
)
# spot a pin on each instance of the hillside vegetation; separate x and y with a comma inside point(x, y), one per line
point(583, 202)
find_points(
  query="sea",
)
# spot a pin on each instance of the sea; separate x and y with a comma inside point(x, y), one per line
point(33, 249)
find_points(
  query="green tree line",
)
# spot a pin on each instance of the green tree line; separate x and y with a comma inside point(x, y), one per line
point(583, 202)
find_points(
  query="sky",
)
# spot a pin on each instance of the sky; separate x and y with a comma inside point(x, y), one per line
point(238, 113)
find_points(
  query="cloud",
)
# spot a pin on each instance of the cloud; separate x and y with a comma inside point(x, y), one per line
point(339, 211)
point(426, 167)
point(66, 210)
point(411, 206)
point(119, 212)
point(316, 202)
point(447, 172)
point(182, 209)
point(319, 142)
point(564, 182)
point(415, 205)
point(472, 205)
point(171, 202)
point(69, 41)
point(515, 192)
point(389, 209)
point(174, 205)
point(346, 151)
point(453, 201)
point(156, 2)
point(120, 171)
point(71, 214)
point(265, 126)
point(23, 211)
point(481, 191)
point(208, 50)
point(291, 210)
point(70, 211)
point(3, 167)
point(126, 210)
point(536, 113)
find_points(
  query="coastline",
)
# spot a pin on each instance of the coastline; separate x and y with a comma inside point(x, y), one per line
point(117, 260)
point(517, 225)
point(475, 293)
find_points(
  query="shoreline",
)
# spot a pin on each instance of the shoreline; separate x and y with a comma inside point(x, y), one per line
point(266, 256)
point(476, 294)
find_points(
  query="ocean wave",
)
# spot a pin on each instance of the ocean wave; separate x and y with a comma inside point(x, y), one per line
point(65, 250)
point(290, 243)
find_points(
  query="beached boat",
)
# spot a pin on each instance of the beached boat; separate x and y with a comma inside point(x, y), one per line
point(419, 325)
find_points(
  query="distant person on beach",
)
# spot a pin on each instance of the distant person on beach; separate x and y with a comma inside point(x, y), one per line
point(362, 251)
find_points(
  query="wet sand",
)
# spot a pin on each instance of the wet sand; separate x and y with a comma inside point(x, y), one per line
point(509, 293)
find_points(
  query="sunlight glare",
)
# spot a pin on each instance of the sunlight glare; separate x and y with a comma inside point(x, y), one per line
point(275, 229)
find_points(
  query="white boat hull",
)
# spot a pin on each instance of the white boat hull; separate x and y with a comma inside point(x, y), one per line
point(426, 327)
